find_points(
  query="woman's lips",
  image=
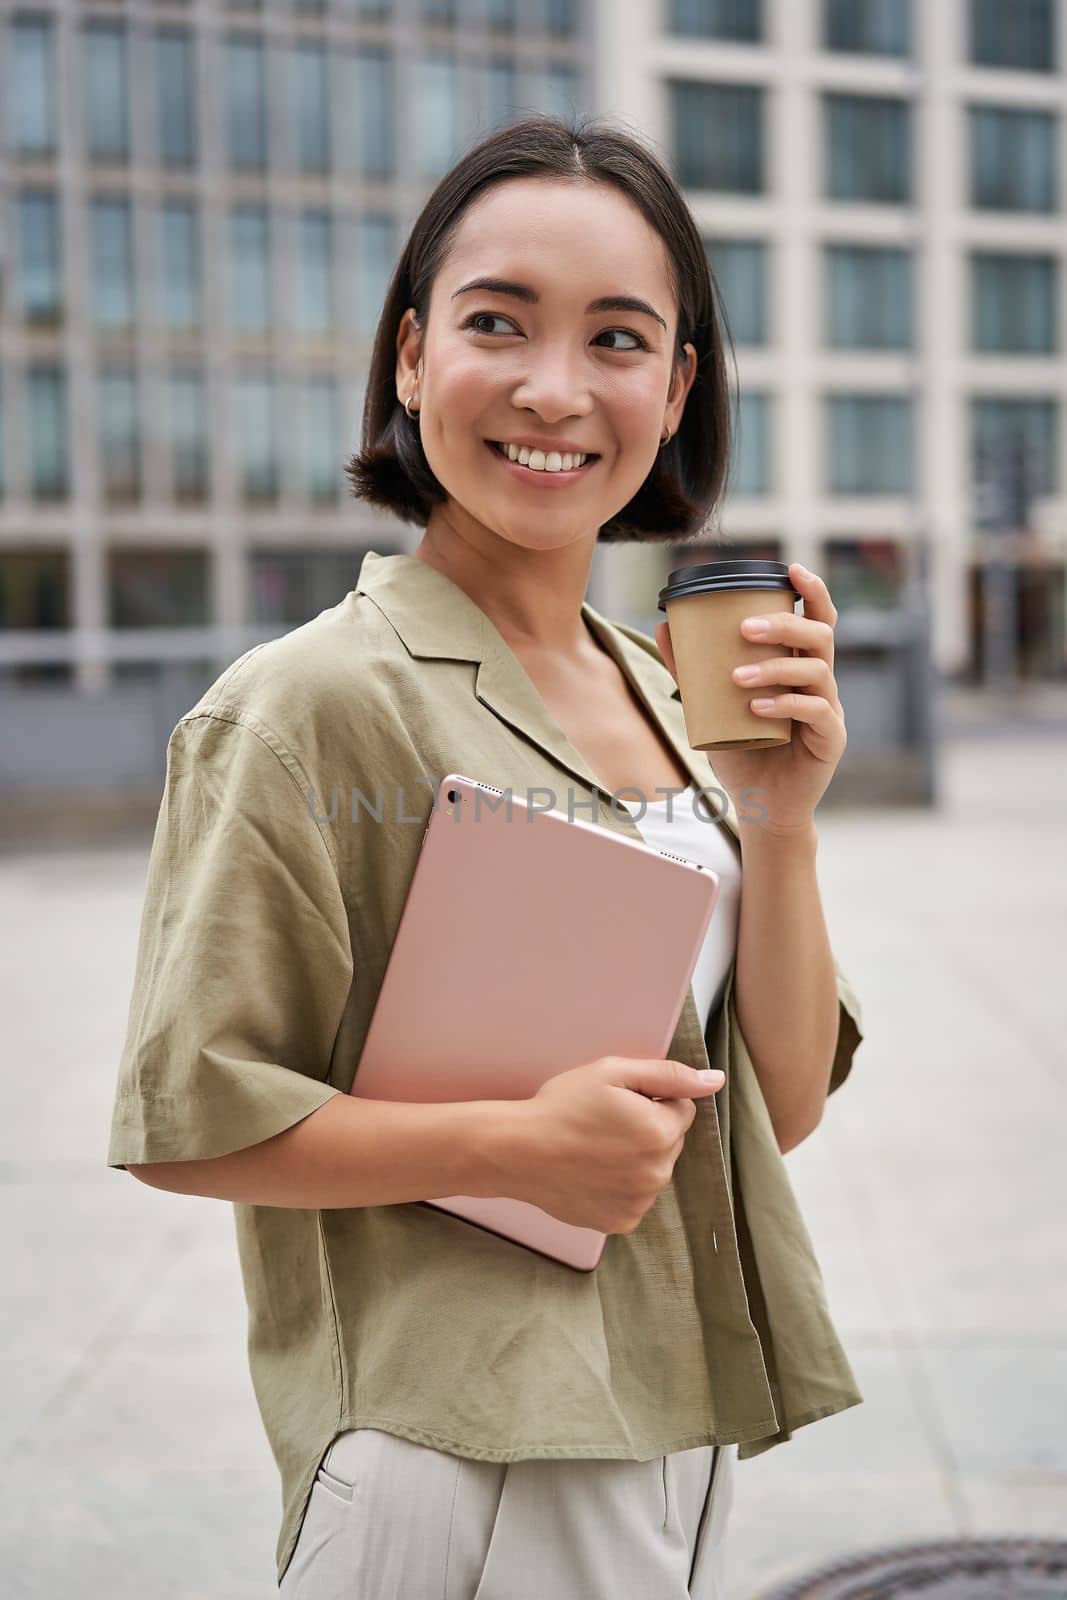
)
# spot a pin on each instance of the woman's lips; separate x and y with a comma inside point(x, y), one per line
point(531, 474)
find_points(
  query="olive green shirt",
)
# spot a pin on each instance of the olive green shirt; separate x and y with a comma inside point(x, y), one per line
point(273, 896)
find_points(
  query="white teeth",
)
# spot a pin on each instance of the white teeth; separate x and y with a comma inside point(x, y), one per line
point(540, 462)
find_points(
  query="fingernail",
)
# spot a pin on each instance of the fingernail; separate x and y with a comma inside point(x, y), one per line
point(756, 625)
point(708, 1076)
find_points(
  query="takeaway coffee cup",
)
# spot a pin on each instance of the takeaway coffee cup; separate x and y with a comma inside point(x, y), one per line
point(706, 605)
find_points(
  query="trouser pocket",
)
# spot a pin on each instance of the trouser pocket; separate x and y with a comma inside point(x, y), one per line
point(335, 1486)
point(397, 1525)
point(339, 1470)
point(323, 1562)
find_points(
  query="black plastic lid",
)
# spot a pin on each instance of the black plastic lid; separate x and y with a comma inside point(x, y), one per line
point(709, 577)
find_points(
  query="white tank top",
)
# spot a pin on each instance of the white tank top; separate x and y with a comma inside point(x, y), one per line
point(700, 838)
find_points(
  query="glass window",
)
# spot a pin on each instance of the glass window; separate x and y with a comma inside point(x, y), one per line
point(368, 105)
point(501, 14)
point(739, 267)
point(376, 258)
point(561, 16)
point(188, 435)
point(104, 88)
point(499, 94)
point(320, 440)
point(119, 436)
point(158, 588)
point(40, 292)
point(869, 27)
point(718, 136)
point(34, 589)
point(1013, 303)
point(1013, 159)
point(316, 259)
point(292, 586)
point(437, 120)
point(312, 87)
point(1000, 425)
point(867, 572)
point(46, 395)
point(250, 296)
point(750, 466)
point(246, 103)
point(111, 245)
point(257, 438)
point(870, 444)
point(867, 297)
point(717, 19)
point(31, 78)
point(439, 10)
point(868, 148)
point(1014, 33)
point(180, 266)
point(559, 91)
point(176, 98)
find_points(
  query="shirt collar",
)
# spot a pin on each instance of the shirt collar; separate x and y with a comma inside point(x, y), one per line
point(436, 619)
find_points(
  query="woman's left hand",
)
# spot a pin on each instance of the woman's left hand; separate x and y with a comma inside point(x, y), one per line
point(791, 778)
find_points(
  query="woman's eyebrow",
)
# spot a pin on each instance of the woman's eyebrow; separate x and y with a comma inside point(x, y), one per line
point(522, 291)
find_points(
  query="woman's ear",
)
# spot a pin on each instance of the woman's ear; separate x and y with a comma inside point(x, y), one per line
point(408, 354)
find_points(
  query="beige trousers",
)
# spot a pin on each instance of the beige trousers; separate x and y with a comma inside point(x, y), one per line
point(392, 1520)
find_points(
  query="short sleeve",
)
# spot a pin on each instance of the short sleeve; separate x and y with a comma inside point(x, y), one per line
point(849, 1030)
point(244, 961)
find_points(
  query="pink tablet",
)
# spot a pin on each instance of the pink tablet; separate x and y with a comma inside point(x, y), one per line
point(529, 943)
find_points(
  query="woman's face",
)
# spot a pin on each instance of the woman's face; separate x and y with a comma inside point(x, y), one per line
point(540, 366)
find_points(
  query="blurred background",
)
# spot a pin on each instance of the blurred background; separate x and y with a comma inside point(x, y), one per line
point(201, 204)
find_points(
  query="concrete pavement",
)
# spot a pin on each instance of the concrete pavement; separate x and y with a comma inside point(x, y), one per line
point(934, 1190)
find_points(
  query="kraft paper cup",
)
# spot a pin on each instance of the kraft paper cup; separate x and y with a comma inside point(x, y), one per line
point(706, 605)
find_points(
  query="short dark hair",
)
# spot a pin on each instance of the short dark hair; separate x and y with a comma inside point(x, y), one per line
point(684, 485)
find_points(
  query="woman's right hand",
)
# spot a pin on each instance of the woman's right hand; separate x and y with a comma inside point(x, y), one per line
point(593, 1147)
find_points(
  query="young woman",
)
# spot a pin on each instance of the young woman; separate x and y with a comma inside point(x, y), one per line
point(453, 1415)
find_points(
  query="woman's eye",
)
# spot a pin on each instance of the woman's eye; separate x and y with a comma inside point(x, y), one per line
point(484, 316)
point(496, 316)
point(627, 333)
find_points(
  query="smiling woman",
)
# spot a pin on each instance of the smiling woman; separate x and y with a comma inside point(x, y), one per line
point(452, 1413)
